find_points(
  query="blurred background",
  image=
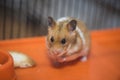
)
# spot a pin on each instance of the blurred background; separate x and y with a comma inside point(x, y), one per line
point(28, 18)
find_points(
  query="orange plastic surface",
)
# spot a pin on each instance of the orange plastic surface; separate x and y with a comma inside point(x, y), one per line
point(103, 62)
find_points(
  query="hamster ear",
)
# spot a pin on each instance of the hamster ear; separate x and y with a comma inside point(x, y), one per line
point(72, 25)
point(51, 22)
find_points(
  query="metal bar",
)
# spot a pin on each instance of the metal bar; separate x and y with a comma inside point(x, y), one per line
point(19, 18)
point(27, 14)
point(34, 15)
point(12, 18)
point(4, 19)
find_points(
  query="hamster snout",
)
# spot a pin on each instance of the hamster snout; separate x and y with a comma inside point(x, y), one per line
point(57, 51)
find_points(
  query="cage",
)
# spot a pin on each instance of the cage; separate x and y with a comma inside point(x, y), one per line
point(27, 18)
point(23, 27)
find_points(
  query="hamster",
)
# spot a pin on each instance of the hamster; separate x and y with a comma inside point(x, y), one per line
point(68, 39)
point(21, 60)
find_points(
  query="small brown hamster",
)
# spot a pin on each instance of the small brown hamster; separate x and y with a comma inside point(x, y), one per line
point(67, 39)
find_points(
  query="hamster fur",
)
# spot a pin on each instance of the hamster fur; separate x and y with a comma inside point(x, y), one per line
point(67, 39)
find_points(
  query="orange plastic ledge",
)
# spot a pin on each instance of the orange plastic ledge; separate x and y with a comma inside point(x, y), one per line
point(103, 62)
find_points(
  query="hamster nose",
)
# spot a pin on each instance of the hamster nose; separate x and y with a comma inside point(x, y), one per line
point(58, 51)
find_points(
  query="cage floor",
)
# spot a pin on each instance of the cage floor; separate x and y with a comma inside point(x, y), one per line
point(103, 62)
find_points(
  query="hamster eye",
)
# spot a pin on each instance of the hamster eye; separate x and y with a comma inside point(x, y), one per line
point(52, 39)
point(63, 41)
